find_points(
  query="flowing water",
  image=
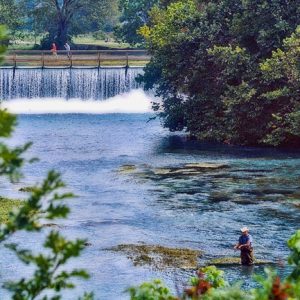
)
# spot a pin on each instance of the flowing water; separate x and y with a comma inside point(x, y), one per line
point(96, 84)
point(258, 188)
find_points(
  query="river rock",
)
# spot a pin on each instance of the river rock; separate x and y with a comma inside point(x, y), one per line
point(160, 257)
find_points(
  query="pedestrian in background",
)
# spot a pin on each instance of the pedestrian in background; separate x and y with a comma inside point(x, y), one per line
point(54, 49)
point(68, 49)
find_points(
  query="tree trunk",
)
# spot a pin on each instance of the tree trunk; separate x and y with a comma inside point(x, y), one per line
point(62, 32)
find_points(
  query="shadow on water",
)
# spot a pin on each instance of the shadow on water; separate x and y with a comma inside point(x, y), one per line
point(183, 144)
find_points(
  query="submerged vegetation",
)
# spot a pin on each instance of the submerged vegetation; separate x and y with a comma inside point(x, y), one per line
point(159, 257)
point(217, 182)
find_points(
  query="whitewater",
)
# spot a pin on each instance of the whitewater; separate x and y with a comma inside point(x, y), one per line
point(136, 101)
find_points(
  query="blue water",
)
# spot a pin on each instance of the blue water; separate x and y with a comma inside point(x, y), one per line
point(205, 212)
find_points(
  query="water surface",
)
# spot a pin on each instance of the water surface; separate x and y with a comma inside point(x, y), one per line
point(205, 212)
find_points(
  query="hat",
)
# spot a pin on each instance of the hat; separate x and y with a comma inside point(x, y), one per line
point(244, 229)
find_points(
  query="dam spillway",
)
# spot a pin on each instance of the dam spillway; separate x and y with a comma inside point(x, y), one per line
point(85, 84)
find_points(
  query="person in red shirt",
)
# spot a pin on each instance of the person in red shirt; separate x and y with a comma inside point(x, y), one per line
point(54, 49)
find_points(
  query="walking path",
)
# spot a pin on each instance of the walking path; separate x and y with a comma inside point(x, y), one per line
point(79, 58)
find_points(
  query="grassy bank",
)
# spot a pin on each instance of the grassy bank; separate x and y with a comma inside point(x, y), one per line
point(89, 40)
point(6, 205)
point(86, 42)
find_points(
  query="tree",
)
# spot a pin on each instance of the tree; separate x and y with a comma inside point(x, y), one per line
point(206, 67)
point(62, 19)
point(134, 14)
point(10, 15)
point(281, 74)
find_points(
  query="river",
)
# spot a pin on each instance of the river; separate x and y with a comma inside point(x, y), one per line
point(258, 188)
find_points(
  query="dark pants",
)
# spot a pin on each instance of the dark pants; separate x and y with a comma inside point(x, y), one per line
point(247, 256)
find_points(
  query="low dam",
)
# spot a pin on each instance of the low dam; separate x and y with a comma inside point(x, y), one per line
point(80, 83)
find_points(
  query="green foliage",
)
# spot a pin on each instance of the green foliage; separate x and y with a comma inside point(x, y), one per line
point(210, 274)
point(294, 259)
point(44, 203)
point(7, 123)
point(3, 38)
point(228, 70)
point(134, 14)
point(155, 290)
point(10, 14)
point(232, 292)
point(266, 284)
point(46, 276)
point(11, 160)
point(281, 74)
point(214, 276)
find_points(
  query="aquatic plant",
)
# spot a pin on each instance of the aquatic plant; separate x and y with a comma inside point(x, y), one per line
point(159, 257)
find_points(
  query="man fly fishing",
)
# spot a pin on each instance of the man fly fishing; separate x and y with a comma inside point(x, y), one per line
point(245, 246)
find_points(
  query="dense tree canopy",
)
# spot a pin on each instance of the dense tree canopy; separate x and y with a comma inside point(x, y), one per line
point(134, 15)
point(227, 70)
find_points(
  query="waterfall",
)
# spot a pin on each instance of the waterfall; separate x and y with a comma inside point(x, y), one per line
point(86, 84)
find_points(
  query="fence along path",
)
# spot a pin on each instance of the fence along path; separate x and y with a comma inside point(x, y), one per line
point(76, 58)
